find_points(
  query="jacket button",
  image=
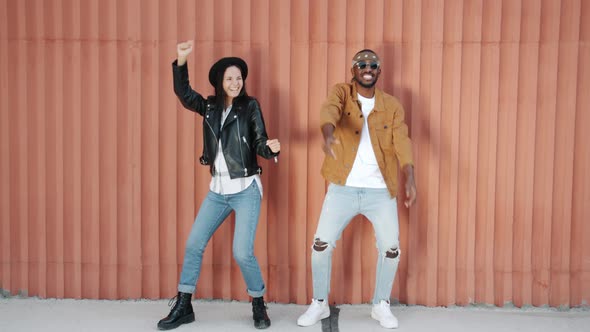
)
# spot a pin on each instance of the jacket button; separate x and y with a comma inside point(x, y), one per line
point(348, 113)
point(356, 132)
point(385, 127)
point(361, 116)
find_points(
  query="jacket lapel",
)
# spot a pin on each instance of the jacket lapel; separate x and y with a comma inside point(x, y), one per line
point(213, 118)
point(231, 117)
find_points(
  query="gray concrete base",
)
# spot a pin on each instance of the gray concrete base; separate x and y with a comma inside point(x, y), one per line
point(31, 314)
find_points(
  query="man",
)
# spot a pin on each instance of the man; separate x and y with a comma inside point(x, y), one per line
point(365, 141)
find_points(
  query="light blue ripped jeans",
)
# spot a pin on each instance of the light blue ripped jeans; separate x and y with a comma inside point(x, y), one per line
point(214, 209)
point(341, 204)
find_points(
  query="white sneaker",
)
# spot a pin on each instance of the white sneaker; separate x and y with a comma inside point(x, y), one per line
point(317, 311)
point(382, 313)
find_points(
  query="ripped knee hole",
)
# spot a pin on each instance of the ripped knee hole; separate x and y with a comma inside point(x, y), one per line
point(319, 245)
point(392, 253)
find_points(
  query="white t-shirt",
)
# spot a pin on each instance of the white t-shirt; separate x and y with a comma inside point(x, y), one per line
point(365, 172)
point(221, 182)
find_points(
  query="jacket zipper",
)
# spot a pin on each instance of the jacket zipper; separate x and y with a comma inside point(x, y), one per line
point(244, 139)
point(241, 153)
point(213, 132)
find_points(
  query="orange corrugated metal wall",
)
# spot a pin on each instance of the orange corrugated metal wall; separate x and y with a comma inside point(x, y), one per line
point(99, 179)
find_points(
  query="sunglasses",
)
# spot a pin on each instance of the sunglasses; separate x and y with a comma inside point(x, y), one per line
point(363, 65)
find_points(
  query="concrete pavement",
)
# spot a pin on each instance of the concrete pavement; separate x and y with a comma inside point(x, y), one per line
point(50, 315)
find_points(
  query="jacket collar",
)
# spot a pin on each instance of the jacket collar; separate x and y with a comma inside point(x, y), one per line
point(231, 117)
point(379, 103)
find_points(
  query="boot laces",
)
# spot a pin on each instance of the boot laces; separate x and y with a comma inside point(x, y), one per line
point(259, 309)
point(173, 301)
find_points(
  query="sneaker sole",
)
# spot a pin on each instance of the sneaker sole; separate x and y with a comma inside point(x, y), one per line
point(322, 316)
point(377, 319)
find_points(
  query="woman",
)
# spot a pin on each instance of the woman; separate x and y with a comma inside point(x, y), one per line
point(233, 134)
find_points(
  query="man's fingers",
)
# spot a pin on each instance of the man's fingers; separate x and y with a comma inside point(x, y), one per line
point(329, 151)
point(407, 201)
point(410, 196)
point(332, 140)
point(332, 153)
point(328, 146)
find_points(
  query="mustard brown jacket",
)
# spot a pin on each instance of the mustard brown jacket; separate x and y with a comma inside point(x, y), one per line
point(387, 129)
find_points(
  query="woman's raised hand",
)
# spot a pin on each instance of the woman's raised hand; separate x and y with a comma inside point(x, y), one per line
point(183, 50)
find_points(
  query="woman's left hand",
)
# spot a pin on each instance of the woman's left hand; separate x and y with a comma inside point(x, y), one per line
point(274, 145)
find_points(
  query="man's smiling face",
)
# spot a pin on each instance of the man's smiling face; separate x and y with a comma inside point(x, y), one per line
point(366, 73)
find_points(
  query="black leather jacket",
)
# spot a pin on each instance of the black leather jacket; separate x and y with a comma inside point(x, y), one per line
point(243, 135)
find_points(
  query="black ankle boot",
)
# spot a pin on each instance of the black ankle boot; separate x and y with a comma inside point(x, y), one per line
point(261, 320)
point(181, 313)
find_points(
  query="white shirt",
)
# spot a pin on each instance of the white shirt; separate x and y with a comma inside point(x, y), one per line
point(221, 182)
point(365, 172)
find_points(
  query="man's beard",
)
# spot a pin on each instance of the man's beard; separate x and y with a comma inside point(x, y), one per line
point(367, 85)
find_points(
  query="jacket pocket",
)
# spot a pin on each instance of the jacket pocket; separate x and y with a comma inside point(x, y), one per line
point(385, 136)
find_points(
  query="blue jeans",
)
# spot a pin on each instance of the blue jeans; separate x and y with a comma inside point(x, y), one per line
point(213, 211)
point(341, 204)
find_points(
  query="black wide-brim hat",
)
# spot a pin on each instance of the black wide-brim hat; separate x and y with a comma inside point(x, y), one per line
point(222, 64)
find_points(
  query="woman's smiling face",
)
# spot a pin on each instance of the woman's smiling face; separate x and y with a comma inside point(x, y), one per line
point(232, 83)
